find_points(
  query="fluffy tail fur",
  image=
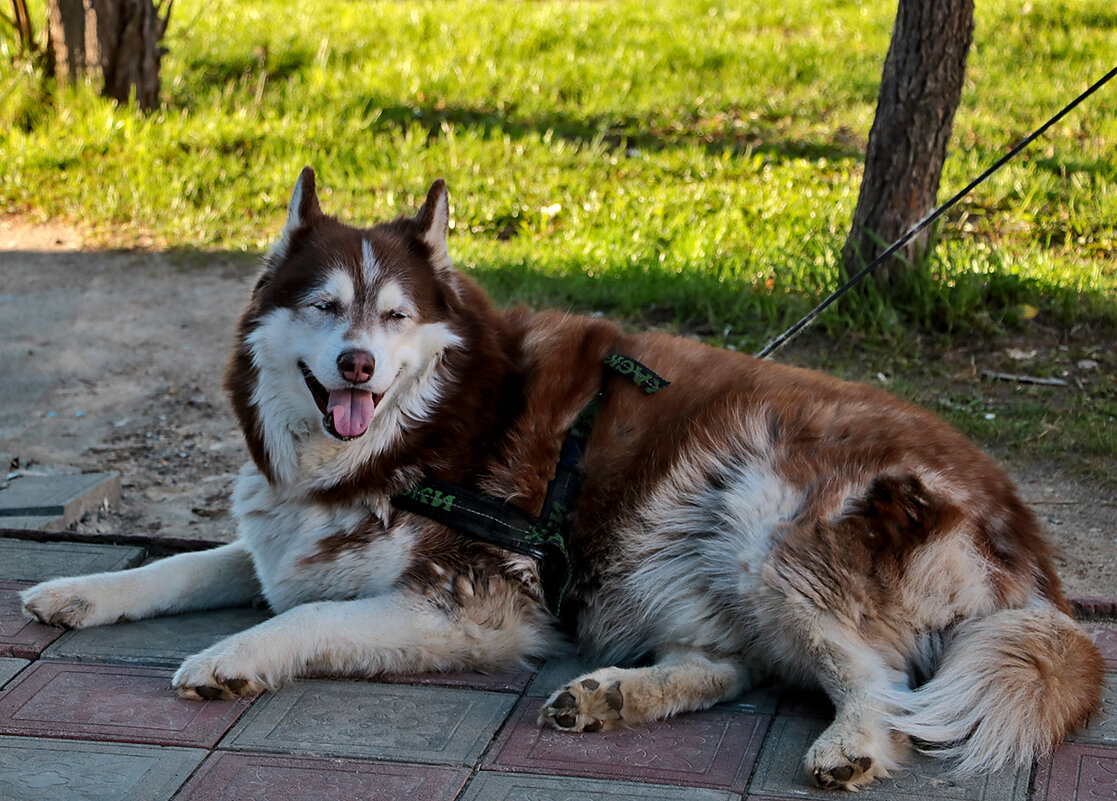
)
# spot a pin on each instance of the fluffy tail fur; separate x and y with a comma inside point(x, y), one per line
point(1010, 686)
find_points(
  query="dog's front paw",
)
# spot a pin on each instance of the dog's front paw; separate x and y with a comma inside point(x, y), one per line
point(592, 703)
point(213, 675)
point(68, 602)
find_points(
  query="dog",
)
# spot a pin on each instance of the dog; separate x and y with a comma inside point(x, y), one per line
point(700, 520)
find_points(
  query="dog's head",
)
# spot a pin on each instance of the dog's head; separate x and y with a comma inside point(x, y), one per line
point(338, 350)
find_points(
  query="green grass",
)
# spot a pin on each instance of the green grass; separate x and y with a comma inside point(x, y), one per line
point(689, 163)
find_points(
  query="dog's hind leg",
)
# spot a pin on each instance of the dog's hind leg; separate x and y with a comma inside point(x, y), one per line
point(610, 698)
point(219, 577)
point(398, 632)
point(820, 612)
point(858, 745)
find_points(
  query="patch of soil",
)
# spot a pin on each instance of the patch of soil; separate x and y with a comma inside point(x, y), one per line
point(114, 360)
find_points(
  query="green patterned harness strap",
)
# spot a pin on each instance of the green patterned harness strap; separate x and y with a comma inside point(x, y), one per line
point(545, 538)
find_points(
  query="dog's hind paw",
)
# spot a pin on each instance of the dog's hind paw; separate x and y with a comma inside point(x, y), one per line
point(843, 763)
point(588, 704)
point(202, 679)
point(852, 774)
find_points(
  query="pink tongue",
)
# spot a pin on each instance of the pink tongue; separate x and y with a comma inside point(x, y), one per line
point(351, 410)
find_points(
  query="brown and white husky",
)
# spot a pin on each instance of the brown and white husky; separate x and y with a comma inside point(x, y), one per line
point(748, 521)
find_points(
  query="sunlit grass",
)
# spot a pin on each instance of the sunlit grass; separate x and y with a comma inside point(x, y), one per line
point(690, 163)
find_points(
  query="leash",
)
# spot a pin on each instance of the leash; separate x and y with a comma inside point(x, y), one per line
point(545, 538)
point(930, 218)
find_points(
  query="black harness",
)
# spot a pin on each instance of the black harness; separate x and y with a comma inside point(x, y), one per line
point(545, 538)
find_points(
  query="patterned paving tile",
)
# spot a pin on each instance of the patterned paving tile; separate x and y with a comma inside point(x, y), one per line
point(1105, 636)
point(118, 703)
point(507, 681)
point(272, 777)
point(490, 786)
point(762, 701)
point(19, 636)
point(35, 769)
point(1077, 771)
point(780, 773)
point(10, 668)
point(22, 560)
point(556, 672)
point(1103, 725)
point(437, 725)
point(162, 641)
point(706, 749)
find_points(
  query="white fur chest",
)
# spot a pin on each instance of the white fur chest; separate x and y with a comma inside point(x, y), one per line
point(285, 534)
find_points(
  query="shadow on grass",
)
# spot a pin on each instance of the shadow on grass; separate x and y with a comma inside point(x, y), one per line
point(747, 314)
point(1063, 165)
point(232, 67)
point(734, 312)
point(610, 131)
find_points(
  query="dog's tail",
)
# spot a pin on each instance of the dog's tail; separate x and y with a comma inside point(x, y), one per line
point(1009, 688)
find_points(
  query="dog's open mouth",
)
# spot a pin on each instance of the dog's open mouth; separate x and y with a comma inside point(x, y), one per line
point(346, 412)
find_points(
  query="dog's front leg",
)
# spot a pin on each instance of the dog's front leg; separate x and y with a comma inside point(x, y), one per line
point(612, 698)
point(185, 582)
point(393, 633)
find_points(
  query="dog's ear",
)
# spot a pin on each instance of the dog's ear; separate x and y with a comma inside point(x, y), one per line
point(303, 205)
point(301, 209)
point(433, 219)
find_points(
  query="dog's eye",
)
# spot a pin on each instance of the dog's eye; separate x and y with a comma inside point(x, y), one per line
point(328, 306)
point(397, 315)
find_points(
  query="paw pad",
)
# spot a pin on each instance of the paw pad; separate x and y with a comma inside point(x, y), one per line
point(584, 706)
point(856, 773)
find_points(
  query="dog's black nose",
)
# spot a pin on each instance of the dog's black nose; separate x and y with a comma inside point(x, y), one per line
point(356, 365)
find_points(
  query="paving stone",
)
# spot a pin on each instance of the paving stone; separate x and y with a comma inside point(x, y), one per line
point(507, 681)
point(556, 672)
point(435, 725)
point(1077, 771)
point(762, 701)
point(780, 773)
point(35, 769)
point(1093, 605)
point(491, 786)
point(118, 703)
point(705, 749)
point(1103, 725)
point(1105, 636)
point(10, 668)
point(21, 560)
point(273, 777)
point(19, 636)
point(68, 495)
point(161, 641)
point(34, 522)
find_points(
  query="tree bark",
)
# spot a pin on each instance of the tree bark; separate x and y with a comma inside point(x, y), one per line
point(117, 38)
point(920, 89)
point(73, 52)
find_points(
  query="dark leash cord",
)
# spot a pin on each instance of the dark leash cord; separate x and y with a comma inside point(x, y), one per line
point(783, 338)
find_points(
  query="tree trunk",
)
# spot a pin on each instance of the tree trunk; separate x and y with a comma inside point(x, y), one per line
point(73, 52)
point(919, 93)
point(117, 38)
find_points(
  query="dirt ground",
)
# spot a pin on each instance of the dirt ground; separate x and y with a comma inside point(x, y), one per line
point(113, 361)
